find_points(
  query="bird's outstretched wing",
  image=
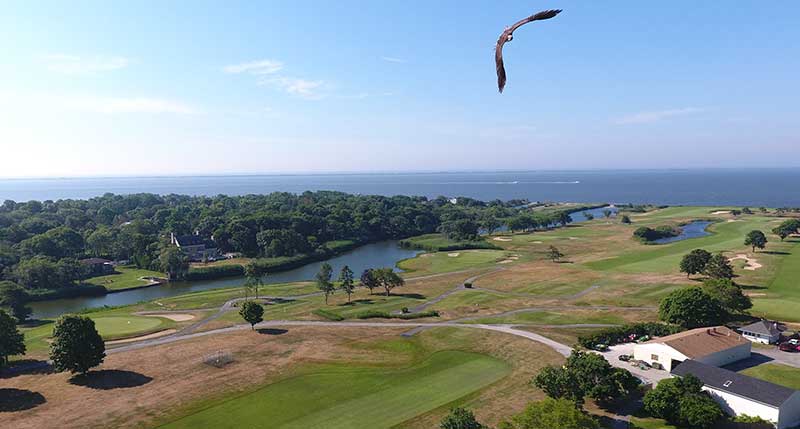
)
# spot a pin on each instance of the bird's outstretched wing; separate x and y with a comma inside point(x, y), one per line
point(498, 51)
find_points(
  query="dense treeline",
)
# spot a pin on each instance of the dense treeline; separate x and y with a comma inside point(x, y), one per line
point(41, 242)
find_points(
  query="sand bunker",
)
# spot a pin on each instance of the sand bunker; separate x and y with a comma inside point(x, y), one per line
point(573, 238)
point(536, 242)
point(752, 264)
point(453, 255)
point(177, 317)
point(509, 259)
point(502, 239)
point(143, 337)
point(754, 293)
point(721, 212)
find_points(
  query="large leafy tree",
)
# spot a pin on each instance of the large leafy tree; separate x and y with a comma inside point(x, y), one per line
point(254, 277)
point(728, 294)
point(719, 267)
point(323, 280)
point(388, 279)
point(695, 262)
point(554, 254)
point(681, 401)
point(787, 228)
point(691, 308)
point(76, 346)
point(14, 297)
point(174, 262)
point(755, 239)
point(12, 342)
point(252, 312)
point(549, 414)
point(585, 374)
point(369, 280)
point(460, 418)
point(346, 283)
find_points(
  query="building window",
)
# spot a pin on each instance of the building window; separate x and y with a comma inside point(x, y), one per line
point(654, 357)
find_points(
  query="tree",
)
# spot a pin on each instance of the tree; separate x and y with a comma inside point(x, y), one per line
point(460, 418)
point(368, 280)
point(252, 312)
point(324, 282)
point(728, 294)
point(556, 382)
point(76, 346)
point(607, 213)
point(755, 239)
point(254, 277)
point(695, 262)
point(489, 223)
point(787, 228)
point(346, 281)
point(691, 308)
point(14, 297)
point(12, 342)
point(699, 411)
point(585, 374)
point(388, 279)
point(625, 219)
point(681, 401)
point(174, 262)
point(563, 218)
point(554, 254)
point(719, 267)
point(549, 414)
point(588, 215)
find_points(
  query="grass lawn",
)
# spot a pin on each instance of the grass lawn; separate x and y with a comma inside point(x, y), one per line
point(557, 318)
point(111, 324)
point(443, 262)
point(347, 396)
point(126, 278)
point(650, 423)
point(666, 257)
point(776, 373)
point(439, 242)
point(214, 298)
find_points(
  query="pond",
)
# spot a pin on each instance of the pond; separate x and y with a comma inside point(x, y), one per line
point(382, 254)
point(694, 229)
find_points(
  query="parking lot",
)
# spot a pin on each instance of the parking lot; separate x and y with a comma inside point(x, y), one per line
point(648, 376)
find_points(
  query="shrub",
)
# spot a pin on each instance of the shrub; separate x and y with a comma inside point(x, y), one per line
point(215, 272)
point(621, 334)
point(647, 234)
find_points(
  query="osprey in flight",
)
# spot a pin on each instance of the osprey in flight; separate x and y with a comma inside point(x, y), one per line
point(508, 35)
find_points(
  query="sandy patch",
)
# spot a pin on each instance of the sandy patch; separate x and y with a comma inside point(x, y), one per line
point(502, 239)
point(573, 238)
point(755, 293)
point(752, 264)
point(718, 212)
point(177, 317)
point(426, 255)
point(505, 261)
point(143, 337)
point(453, 255)
point(732, 220)
point(536, 242)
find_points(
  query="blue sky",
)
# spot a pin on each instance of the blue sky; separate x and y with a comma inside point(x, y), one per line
point(150, 88)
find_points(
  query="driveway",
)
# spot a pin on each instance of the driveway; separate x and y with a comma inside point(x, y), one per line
point(650, 376)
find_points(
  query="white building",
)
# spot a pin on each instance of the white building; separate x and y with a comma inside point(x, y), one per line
point(763, 331)
point(716, 346)
point(739, 394)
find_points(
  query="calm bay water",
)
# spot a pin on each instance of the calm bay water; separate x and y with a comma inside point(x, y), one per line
point(383, 254)
point(741, 187)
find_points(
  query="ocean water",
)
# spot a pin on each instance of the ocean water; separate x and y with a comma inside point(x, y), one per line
point(740, 187)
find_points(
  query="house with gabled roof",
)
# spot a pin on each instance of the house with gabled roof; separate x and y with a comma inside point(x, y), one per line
point(738, 394)
point(716, 345)
point(763, 331)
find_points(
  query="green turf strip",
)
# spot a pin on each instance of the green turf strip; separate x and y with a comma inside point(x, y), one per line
point(345, 397)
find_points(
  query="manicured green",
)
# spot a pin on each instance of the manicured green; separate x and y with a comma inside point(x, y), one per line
point(443, 262)
point(776, 373)
point(125, 278)
point(440, 242)
point(216, 297)
point(346, 396)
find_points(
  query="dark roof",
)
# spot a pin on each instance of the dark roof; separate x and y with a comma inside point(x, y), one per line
point(94, 261)
point(190, 240)
point(764, 327)
point(733, 382)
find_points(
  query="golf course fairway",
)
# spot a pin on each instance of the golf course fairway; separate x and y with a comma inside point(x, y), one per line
point(340, 396)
